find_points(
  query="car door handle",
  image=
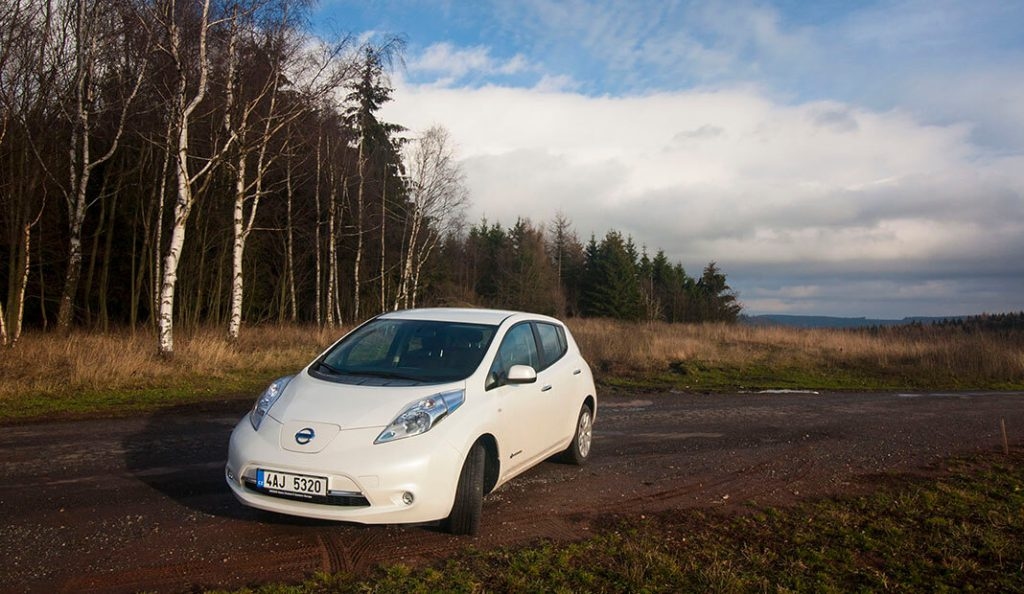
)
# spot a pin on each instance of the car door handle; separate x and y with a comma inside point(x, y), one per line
point(577, 372)
point(546, 388)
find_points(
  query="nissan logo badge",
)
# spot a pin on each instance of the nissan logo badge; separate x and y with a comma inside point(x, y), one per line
point(305, 436)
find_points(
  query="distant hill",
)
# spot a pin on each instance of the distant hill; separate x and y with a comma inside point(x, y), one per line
point(837, 322)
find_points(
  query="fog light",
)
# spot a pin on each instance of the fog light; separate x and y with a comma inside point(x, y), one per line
point(407, 498)
point(231, 475)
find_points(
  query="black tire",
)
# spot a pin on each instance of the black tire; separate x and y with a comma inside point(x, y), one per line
point(578, 451)
point(469, 494)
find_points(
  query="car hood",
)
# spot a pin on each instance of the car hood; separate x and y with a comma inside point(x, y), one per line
point(349, 406)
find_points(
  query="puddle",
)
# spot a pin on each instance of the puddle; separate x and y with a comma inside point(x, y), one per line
point(630, 404)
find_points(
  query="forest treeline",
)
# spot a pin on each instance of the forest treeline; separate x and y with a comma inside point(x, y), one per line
point(546, 269)
point(172, 162)
point(1006, 323)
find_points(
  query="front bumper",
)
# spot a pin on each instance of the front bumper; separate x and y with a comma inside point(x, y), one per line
point(367, 483)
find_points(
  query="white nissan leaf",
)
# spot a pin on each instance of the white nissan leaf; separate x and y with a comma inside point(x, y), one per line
point(414, 416)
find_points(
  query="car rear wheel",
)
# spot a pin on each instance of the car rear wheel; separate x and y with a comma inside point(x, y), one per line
point(579, 450)
point(469, 494)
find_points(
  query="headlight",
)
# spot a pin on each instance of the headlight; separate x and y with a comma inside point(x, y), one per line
point(267, 400)
point(422, 415)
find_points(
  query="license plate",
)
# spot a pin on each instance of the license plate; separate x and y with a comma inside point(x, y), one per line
point(287, 482)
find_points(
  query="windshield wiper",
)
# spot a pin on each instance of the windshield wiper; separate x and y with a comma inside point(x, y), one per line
point(333, 370)
point(389, 375)
point(367, 373)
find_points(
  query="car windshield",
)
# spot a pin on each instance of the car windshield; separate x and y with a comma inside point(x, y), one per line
point(407, 351)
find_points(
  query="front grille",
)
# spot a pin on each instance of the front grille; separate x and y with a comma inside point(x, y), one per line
point(348, 500)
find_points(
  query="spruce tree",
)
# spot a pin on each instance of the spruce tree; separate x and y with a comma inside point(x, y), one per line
point(718, 301)
point(612, 286)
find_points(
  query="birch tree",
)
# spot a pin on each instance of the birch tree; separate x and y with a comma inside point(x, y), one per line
point(246, 192)
point(25, 264)
point(10, 13)
point(334, 215)
point(191, 78)
point(311, 76)
point(289, 259)
point(438, 198)
point(318, 264)
point(32, 43)
point(101, 59)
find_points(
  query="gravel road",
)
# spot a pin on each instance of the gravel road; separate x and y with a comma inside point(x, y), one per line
point(135, 504)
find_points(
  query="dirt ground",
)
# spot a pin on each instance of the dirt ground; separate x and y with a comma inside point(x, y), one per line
point(140, 504)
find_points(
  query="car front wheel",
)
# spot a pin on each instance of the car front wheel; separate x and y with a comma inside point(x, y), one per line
point(469, 494)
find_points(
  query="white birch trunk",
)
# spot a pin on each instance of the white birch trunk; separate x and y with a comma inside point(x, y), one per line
point(356, 287)
point(183, 204)
point(332, 255)
point(289, 262)
point(74, 267)
point(319, 273)
point(338, 226)
point(243, 224)
point(415, 287)
point(19, 301)
point(405, 286)
point(158, 231)
point(238, 250)
point(238, 229)
point(182, 208)
point(3, 326)
point(422, 258)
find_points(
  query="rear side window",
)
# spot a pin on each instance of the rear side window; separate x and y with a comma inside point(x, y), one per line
point(552, 342)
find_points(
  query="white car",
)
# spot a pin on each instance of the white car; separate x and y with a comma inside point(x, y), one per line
point(414, 416)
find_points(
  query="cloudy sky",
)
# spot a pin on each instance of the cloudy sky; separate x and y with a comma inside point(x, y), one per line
point(835, 158)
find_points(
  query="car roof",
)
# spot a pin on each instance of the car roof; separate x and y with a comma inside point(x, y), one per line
point(491, 317)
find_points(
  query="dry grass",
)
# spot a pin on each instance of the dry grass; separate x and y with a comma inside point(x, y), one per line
point(126, 361)
point(909, 356)
point(88, 372)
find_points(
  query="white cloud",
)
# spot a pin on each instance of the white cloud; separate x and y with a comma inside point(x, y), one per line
point(736, 177)
point(943, 61)
point(450, 63)
point(872, 152)
point(556, 83)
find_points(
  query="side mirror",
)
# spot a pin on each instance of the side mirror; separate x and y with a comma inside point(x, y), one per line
point(521, 374)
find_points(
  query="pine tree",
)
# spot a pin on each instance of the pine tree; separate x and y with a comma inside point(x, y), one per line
point(378, 152)
point(717, 300)
point(611, 285)
point(532, 281)
point(568, 259)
